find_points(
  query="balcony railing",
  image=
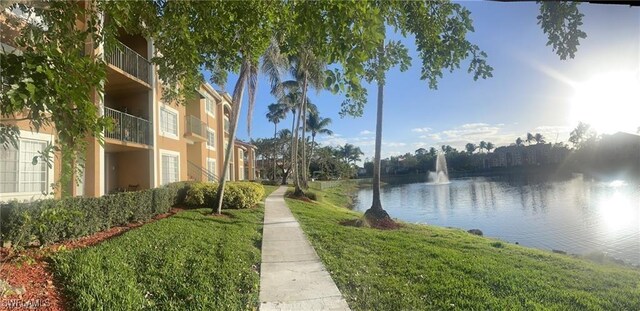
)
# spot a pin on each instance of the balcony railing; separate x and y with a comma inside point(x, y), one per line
point(193, 125)
point(129, 61)
point(129, 128)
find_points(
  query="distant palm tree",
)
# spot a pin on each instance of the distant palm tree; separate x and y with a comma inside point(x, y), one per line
point(490, 146)
point(277, 113)
point(539, 138)
point(530, 138)
point(483, 146)
point(519, 141)
point(316, 125)
point(470, 147)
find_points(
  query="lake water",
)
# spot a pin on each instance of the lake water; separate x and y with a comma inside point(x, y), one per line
point(575, 215)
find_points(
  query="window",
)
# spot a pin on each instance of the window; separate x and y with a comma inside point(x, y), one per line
point(211, 168)
point(169, 122)
point(17, 172)
point(211, 139)
point(170, 168)
point(226, 124)
point(241, 156)
point(210, 106)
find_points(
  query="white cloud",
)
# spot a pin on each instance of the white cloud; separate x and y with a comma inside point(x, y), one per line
point(422, 129)
point(366, 132)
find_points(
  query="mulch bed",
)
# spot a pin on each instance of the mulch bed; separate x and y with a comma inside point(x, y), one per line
point(383, 224)
point(30, 269)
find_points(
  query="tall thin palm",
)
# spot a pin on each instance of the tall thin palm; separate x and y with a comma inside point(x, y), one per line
point(309, 70)
point(247, 78)
point(316, 125)
point(277, 113)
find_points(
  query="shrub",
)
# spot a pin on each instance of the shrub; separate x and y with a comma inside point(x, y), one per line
point(271, 182)
point(237, 195)
point(52, 220)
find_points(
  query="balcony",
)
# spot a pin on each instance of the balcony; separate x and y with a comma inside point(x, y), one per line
point(128, 128)
point(130, 62)
point(195, 129)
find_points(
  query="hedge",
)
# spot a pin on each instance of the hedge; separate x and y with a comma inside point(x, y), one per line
point(237, 195)
point(53, 220)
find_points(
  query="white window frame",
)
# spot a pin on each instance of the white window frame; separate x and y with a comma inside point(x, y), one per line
point(49, 172)
point(171, 153)
point(224, 124)
point(212, 112)
point(210, 147)
point(177, 114)
point(209, 160)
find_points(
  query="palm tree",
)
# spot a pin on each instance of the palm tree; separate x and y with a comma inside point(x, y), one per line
point(277, 112)
point(483, 146)
point(470, 147)
point(490, 146)
point(307, 69)
point(247, 77)
point(530, 138)
point(539, 138)
point(519, 141)
point(316, 125)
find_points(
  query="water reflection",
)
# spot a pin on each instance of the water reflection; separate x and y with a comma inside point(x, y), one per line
point(576, 215)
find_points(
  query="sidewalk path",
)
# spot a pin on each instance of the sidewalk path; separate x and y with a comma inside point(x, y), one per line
point(292, 277)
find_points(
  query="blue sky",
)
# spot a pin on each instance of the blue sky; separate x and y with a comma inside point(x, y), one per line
point(532, 89)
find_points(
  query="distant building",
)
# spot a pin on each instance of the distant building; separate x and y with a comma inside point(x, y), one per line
point(511, 156)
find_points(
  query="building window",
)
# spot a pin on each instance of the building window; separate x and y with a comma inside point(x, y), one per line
point(210, 106)
point(17, 171)
point(211, 167)
point(211, 139)
point(170, 168)
point(169, 122)
point(226, 124)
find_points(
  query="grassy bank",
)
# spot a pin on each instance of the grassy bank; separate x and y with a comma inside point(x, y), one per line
point(190, 261)
point(428, 267)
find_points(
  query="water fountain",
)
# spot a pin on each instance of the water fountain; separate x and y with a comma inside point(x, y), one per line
point(441, 175)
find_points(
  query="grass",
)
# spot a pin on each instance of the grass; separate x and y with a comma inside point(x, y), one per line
point(422, 267)
point(190, 261)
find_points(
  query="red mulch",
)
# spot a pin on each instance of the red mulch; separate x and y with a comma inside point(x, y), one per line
point(29, 268)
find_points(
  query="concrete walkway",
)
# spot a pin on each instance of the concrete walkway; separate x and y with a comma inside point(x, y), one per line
point(292, 277)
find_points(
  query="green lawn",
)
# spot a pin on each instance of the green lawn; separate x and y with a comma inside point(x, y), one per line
point(186, 262)
point(434, 268)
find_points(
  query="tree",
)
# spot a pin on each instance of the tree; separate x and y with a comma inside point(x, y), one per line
point(519, 141)
point(539, 138)
point(490, 146)
point(530, 138)
point(560, 21)
point(317, 125)
point(421, 151)
point(483, 145)
point(277, 113)
point(582, 135)
point(441, 44)
point(470, 148)
point(432, 151)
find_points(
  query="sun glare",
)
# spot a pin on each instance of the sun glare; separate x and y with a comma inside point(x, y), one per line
point(608, 102)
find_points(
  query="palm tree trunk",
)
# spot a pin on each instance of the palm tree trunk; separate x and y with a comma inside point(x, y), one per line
point(275, 133)
point(304, 130)
point(236, 105)
point(313, 142)
point(376, 212)
point(293, 137)
point(294, 160)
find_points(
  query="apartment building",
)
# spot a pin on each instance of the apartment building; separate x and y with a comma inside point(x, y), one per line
point(152, 142)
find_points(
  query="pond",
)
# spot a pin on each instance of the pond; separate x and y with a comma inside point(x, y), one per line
point(575, 215)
